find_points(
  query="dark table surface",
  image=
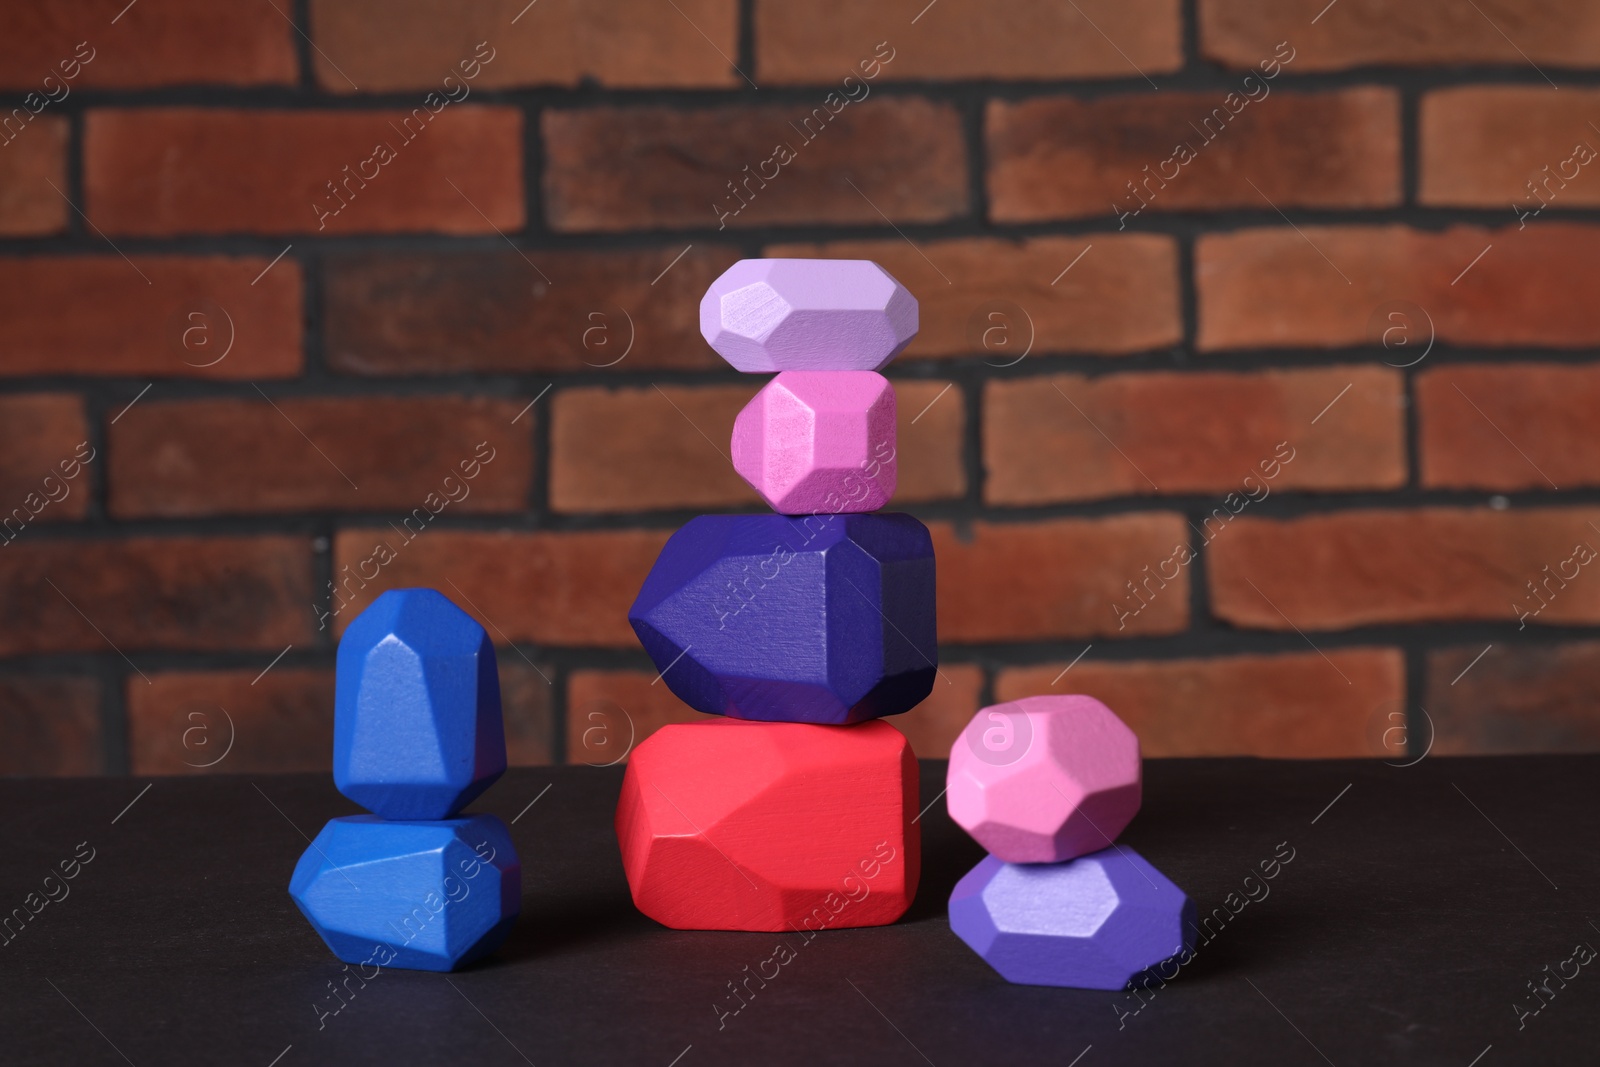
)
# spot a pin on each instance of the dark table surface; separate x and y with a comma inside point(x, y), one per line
point(1419, 904)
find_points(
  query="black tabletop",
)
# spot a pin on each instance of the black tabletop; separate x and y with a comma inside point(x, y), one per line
point(1443, 913)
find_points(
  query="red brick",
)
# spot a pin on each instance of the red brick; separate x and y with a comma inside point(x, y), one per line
point(1268, 288)
point(561, 589)
point(822, 41)
point(1055, 579)
point(675, 453)
point(142, 318)
point(1509, 427)
point(1121, 297)
point(50, 725)
point(933, 725)
point(929, 442)
point(1064, 158)
point(230, 722)
point(1360, 568)
point(1482, 146)
point(449, 312)
point(384, 47)
point(162, 171)
point(188, 594)
point(149, 43)
point(525, 697)
point(32, 156)
point(242, 457)
point(182, 722)
point(1414, 33)
point(1515, 698)
point(1067, 437)
point(610, 168)
point(1294, 706)
point(41, 461)
point(610, 712)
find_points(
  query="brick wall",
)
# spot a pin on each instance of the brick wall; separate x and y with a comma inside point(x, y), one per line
point(1254, 394)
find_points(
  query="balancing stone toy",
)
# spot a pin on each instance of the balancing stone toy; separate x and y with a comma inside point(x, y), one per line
point(1045, 784)
point(805, 812)
point(823, 620)
point(417, 736)
point(796, 810)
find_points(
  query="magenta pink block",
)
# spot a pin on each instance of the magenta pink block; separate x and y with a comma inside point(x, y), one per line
point(1044, 779)
point(807, 314)
point(819, 442)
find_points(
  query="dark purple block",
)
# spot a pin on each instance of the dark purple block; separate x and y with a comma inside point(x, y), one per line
point(822, 619)
point(1097, 922)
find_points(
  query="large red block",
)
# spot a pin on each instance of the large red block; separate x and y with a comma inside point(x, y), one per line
point(734, 825)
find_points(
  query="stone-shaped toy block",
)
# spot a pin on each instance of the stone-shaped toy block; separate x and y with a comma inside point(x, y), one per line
point(819, 442)
point(728, 825)
point(1097, 922)
point(823, 619)
point(426, 896)
point(1044, 779)
point(767, 315)
point(417, 732)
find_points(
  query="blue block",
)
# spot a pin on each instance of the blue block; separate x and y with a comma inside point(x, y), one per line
point(819, 619)
point(426, 896)
point(417, 732)
point(1101, 921)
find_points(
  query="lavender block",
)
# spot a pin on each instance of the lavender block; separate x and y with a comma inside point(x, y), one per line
point(767, 315)
point(1096, 922)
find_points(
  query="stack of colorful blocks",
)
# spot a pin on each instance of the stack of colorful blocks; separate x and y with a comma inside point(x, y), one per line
point(1045, 784)
point(418, 735)
point(796, 809)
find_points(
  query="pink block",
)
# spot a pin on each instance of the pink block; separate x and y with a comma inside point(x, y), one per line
point(1044, 779)
point(807, 314)
point(819, 442)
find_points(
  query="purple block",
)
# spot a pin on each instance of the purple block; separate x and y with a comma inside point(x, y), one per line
point(1097, 922)
point(827, 619)
point(767, 315)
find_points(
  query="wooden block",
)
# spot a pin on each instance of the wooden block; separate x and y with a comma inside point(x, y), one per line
point(427, 896)
point(1097, 922)
point(767, 315)
point(819, 442)
point(1044, 779)
point(827, 619)
point(417, 729)
point(728, 825)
